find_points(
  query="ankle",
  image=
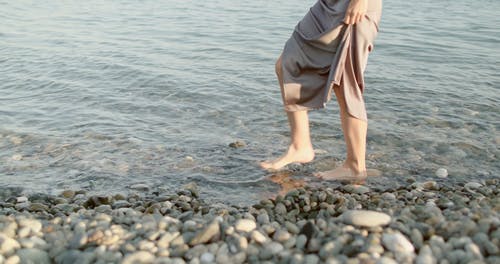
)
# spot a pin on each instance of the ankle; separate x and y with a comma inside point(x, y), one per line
point(356, 166)
point(300, 147)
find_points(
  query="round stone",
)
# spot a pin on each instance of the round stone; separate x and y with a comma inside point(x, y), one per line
point(365, 218)
point(263, 218)
point(472, 186)
point(22, 199)
point(8, 245)
point(204, 235)
point(17, 157)
point(68, 194)
point(425, 256)
point(258, 237)
point(237, 144)
point(33, 255)
point(280, 209)
point(397, 243)
point(281, 236)
point(245, 225)
point(139, 258)
point(33, 224)
point(442, 173)
point(207, 257)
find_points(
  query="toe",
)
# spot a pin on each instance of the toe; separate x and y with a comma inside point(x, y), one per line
point(265, 164)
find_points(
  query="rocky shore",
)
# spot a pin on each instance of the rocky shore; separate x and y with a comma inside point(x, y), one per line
point(420, 222)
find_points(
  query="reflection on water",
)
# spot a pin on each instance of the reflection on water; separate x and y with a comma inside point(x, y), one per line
point(286, 182)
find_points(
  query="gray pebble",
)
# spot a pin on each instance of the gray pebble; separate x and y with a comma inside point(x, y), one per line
point(417, 238)
point(301, 241)
point(79, 240)
point(280, 209)
point(311, 259)
point(281, 235)
point(263, 218)
point(75, 256)
point(139, 187)
point(207, 258)
point(33, 255)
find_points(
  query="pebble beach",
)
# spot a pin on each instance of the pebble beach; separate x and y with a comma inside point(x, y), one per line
point(115, 119)
point(416, 222)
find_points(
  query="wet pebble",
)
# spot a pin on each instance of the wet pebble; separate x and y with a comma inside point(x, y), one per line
point(442, 173)
point(237, 144)
point(17, 157)
point(139, 187)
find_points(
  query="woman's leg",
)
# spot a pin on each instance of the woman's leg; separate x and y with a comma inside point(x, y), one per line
point(355, 138)
point(300, 149)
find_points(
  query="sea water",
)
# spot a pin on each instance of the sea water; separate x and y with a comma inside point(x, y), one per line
point(100, 95)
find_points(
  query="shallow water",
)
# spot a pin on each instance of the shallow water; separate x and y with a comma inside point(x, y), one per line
point(103, 94)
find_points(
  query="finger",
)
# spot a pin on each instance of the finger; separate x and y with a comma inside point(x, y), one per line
point(346, 19)
point(350, 19)
point(358, 17)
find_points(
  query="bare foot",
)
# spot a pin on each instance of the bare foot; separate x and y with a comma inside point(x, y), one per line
point(343, 174)
point(291, 156)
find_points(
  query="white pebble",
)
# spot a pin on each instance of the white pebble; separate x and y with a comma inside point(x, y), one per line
point(258, 237)
point(442, 173)
point(23, 232)
point(139, 257)
point(34, 224)
point(8, 245)
point(245, 225)
point(366, 218)
point(397, 243)
point(22, 199)
point(13, 260)
point(17, 157)
point(16, 140)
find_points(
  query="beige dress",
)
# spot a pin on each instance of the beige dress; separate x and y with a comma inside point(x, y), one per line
point(323, 54)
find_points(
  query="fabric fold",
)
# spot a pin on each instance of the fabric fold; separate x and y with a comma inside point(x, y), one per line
point(325, 54)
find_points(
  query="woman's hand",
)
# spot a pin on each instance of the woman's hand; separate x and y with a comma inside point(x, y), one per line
point(355, 11)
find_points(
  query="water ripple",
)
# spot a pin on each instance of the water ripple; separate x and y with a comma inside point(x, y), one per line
point(102, 94)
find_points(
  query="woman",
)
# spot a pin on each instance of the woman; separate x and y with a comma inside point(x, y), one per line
point(328, 51)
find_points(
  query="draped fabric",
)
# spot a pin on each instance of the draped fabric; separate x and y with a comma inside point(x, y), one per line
point(323, 54)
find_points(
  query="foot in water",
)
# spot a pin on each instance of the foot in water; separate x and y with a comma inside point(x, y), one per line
point(344, 174)
point(293, 155)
